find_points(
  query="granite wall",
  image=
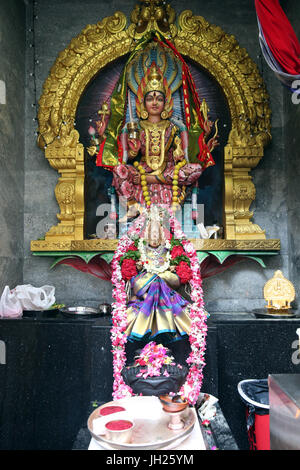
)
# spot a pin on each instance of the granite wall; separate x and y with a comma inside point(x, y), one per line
point(292, 146)
point(12, 116)
point(238, 289)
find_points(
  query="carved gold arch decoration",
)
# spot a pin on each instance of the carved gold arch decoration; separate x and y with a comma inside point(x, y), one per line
point(210, 47)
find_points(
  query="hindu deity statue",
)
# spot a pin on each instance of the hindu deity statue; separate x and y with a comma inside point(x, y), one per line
point(157, 160)
point(155, 306)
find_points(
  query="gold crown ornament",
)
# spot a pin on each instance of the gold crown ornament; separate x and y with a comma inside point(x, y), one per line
point(279, 292)
point(155, 81)
point(154, 69)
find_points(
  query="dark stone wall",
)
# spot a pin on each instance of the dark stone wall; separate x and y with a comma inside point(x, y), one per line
point(240, 288)
point(291, 154)
point(12, 116)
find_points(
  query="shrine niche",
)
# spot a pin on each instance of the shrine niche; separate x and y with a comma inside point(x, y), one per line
point(213, 56)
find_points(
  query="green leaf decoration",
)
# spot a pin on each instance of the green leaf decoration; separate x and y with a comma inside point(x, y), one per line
point(202, 255)
point(107, 257)
point(222, 255)
point(256, 258)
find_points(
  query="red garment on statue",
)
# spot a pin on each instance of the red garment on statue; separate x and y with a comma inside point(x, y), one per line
point(279, 35)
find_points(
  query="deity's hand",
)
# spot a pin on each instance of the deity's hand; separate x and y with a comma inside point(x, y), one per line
point(179, 158)
point(178, 153)
point(101, 126)
point(92, 150)
point(212, 143)
point(136, 178)
point(139, 265)
point(207, 126)
point(134, 146)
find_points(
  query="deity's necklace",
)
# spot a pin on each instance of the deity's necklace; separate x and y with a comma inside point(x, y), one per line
point(152, 266)
point(155, 143)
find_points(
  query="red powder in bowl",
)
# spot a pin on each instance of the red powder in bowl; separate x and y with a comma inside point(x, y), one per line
point(119, 425)
point(108, 410)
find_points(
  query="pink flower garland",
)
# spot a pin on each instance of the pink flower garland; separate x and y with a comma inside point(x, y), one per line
point(197, 337)
point(192, 386)
point(119, 315)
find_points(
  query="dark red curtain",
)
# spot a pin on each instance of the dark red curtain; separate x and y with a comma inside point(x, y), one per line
point(279, 35)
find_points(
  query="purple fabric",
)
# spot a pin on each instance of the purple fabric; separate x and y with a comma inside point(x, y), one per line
point(159, 296)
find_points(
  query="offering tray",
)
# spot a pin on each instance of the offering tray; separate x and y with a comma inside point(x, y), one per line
point(80, 311)
point(150, 429)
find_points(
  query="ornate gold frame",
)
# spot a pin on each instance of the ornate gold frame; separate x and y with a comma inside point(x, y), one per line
point(210, 47)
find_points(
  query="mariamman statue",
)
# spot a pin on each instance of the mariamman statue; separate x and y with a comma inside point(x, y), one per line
point(154, 305)
point(156, 139)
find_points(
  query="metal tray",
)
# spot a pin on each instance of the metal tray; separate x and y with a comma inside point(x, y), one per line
point(150, 425)
point(273, 314)
point(80, 311)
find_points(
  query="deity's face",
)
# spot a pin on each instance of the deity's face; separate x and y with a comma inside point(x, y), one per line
point(154, 103)
point(154, 235)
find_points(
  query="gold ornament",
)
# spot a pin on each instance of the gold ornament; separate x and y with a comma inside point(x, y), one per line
point(155, 82)
point(279, 292)
point(209, 47)
point(175, 188)
point(164, 114)
point(144, 114)
point(144, 185)
point(155, 145)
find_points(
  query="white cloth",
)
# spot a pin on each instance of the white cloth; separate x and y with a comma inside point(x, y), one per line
point(207, 232)
point(207, 409)
point(25, 297)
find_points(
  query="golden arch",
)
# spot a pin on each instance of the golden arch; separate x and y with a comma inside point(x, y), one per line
point(210, 47)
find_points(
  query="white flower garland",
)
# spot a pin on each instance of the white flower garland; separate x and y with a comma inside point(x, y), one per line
point(150, 266)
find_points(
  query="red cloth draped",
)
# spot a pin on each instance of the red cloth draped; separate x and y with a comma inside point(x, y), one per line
point(279, 35)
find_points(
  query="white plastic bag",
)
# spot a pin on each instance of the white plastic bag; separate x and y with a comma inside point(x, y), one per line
point(10, 305)
point(25, 297)
point(35, 298)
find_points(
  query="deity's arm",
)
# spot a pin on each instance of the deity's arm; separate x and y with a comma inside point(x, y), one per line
point(131, 146)
point(188, 173)
point(181, 141)
point(124, 143)
point(184, 136)
point(171, 279)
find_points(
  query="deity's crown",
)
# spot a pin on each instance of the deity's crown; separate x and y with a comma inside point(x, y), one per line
point(155, 81)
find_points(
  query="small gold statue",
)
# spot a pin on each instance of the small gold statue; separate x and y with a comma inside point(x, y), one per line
point(279, 292)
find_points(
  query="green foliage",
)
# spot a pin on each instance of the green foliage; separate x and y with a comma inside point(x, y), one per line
point(131, 254)
point(177, 260)
point(175, 242)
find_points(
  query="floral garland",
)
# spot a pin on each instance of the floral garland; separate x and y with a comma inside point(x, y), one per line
point(151, 266)
point(119, 316)
point(185, 260)
point(152, 357)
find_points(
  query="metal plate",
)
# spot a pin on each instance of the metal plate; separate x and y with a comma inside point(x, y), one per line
point(266, 314)
point(150, 424)
point(80, 311)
